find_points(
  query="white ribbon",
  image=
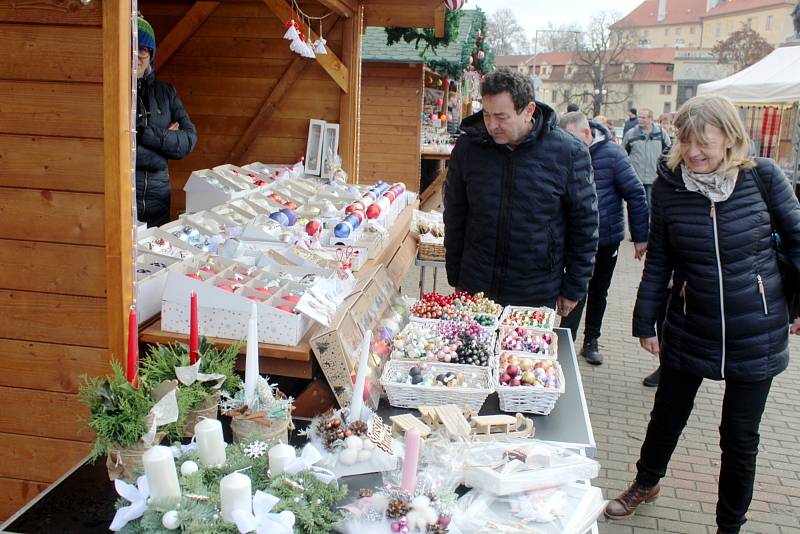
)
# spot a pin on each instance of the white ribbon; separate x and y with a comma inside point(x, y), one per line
point(164, 412)
point(306, 461)
point(190, 374)
point(138, 502)
point(263, 521)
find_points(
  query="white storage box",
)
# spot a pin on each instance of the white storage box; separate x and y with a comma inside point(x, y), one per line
point(206, 189)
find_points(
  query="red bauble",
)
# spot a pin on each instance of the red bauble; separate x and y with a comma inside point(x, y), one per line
point(454, 5)
point(359, 214)
point(292, 298)
point(313, 227)
point(373, 211)
point(287, 309)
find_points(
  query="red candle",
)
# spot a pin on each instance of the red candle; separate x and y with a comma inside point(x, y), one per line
point(194, 336)
point(132, 371)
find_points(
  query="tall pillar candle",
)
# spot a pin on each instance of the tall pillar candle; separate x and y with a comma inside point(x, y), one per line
point(235, 493)
point(280, 455)
point(357, 402)
point(409, 481)
point(159, 468)
point(251, 358)
point(210, 442)
point(132, 368)
point(194, 331)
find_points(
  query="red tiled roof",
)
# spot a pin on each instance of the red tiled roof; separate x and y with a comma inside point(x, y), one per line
point(678, 12)
point(733, 6)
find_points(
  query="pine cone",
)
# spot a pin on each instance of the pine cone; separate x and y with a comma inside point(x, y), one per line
point(436, 528)
point(358, 428)
point(396, 509)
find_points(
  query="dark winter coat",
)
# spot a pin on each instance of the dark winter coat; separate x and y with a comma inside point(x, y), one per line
point(615, 180)
point(515, 219)
point(157, 107)
point(632, 122)
point(727, 316)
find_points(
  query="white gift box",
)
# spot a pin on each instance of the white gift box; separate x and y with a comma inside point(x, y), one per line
point(224, 314)
point(151, 275)
point(146, 242)
point(207, 188)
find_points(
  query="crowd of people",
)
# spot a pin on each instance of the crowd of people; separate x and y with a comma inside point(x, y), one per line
point(534, 217)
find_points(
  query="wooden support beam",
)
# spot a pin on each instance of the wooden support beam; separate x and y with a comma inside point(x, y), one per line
point(350, 104)
point(183, 30)
point(268, 107)
point(117, 171)
point(438, 21)
point(340, 7)
point(329, 62)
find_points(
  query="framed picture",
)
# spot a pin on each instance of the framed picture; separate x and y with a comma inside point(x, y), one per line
point(330, 149)
point(313, 162)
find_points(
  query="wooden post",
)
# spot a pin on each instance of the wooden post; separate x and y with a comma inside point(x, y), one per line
point(350, 103)
point(439, 21)
point(119, 188)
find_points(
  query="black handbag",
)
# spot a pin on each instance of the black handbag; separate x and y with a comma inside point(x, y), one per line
point(789, 275)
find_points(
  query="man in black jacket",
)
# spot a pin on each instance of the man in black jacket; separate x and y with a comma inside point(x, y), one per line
point(163, 132)
point(520, 208)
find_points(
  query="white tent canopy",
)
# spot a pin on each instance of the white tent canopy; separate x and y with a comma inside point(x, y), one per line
point(774, 79)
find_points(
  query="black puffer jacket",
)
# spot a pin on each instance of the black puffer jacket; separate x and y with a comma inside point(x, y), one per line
point(157, 107)
point(727, 315)
point(516, 219)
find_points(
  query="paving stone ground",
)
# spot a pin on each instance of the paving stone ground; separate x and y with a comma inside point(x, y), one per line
point(619, 407)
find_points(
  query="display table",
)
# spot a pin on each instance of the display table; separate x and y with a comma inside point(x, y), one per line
point(82, 501)
point(397, 255)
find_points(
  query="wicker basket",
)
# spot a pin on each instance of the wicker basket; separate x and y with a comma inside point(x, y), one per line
point(278, 431)
point(552, 353)
point(206, 410)
point(125, 462)
point(537, 400)
point(431, 251)
point(550, 314)
point(403, 395)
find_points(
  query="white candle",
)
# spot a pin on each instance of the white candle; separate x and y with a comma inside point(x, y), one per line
point(159, 468)
point(251, 359)
point(235, 493)
point(357, 402)
point(210, 442)
point(280, 455)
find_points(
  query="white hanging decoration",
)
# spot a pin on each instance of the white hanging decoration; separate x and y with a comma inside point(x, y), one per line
point(297, 46)
point(319, 46)
point(291, 34)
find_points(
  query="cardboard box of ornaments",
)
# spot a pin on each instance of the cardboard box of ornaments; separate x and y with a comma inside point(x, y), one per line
point(337, 348)
point(223, 313)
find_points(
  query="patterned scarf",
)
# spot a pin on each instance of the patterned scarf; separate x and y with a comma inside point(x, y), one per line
point(717, 187)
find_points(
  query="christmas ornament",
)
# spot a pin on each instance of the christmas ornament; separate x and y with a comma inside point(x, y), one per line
point(319, 46)
point(454, 5)
point(257, 449)
point(170, 520)
point(189, 467)
point(292, 30)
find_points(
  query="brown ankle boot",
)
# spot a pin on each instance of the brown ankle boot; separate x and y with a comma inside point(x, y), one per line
point(625, 505)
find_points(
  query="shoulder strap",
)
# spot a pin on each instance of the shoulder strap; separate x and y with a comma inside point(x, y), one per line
point(764, 195)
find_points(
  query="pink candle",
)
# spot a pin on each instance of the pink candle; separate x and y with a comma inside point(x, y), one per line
point(194, 336)
point(132, 370)
point(409, 482)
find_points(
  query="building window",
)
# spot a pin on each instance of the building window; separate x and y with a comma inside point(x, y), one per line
point(666, 31)
point(688, 93)
point(769, 22)
point(630, 88)
point(662, 89)
point(679, 43)
point(667, 107)
point(647, 33)
point(669, 89)
point(691, 30)
point(749, 22)
point(677, 31)
point(718, 29)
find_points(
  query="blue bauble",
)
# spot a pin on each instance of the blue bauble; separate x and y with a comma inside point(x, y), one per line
point(291, 216)
point(279, 217)
point(342, 230)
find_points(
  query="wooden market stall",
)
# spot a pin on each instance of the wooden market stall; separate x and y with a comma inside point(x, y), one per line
point(66, 221)
point(401, 83)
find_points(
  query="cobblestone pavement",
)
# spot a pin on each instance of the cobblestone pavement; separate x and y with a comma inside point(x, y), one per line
point(619, 407)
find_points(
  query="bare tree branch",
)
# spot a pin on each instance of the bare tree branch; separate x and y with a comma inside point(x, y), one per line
point(743, 47)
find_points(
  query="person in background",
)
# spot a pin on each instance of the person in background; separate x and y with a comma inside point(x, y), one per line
point(614, 180)
point(644, 144)
point(572, 107)
point(632, 122)
point(520, 209)
point(601, 119)
point(163, 132)
point(710, 233)
point(665, 121)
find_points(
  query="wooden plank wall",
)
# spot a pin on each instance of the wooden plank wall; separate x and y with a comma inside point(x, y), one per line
point(52, 275)
point(391, 106)
point(226, 70)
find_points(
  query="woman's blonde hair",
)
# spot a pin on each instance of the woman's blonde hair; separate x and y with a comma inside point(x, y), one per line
point(719, 111)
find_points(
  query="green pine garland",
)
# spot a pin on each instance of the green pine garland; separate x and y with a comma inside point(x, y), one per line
point(117, 410)
point(159, 366)
point(314, 506)
point(427, 35)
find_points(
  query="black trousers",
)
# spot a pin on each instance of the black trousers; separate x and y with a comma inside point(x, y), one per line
point(742, 407)
point(596, 298)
